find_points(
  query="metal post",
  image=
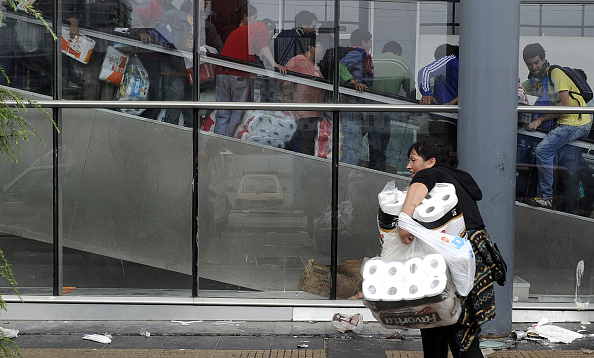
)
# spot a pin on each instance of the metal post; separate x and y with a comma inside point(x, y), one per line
point(487, 124)
point(335, 158)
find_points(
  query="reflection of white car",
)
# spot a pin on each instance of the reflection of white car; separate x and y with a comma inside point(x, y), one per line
point(259, 190)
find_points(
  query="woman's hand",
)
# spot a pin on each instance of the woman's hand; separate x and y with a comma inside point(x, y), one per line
point(405, 236)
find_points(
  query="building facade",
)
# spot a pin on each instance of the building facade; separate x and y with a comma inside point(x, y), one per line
point(170, 204)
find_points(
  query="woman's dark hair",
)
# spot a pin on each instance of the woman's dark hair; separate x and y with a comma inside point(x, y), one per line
point(242, 10)
point(434, 148)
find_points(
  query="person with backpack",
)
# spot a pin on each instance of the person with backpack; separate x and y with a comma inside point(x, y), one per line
point(356, 70)
point(563, 91)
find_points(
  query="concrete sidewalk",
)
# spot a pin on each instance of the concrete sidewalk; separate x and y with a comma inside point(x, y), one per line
point(218, 339)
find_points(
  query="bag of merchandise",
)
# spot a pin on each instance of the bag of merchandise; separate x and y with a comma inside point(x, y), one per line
point(135, 85)
point(206, 69)
point(114, 66)
point(79, 47)
point(457, 251)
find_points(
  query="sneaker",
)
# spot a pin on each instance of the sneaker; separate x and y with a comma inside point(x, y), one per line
point(540, 202)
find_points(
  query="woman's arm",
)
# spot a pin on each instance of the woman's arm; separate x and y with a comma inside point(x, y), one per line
point(415, 194)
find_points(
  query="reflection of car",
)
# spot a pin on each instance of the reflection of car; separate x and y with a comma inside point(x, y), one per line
point(258, 190)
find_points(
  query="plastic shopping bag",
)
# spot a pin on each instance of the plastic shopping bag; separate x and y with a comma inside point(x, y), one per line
point(457, 252)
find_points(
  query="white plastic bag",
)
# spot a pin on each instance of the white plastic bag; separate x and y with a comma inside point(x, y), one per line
point(457, 252)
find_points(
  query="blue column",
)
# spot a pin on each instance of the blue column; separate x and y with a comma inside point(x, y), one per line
point(489, 50)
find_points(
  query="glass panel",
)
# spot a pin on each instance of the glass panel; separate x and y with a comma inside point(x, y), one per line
point(529, 31)
point(95, 62)
point(588, 14)
point(529, 15)
point(126, 204)
point(26, 210)
point(26, 51)
point(565, 32)
point(263, 215)
point(557, 14)
point(397, 53)
point(163, 46)
point(541, 249)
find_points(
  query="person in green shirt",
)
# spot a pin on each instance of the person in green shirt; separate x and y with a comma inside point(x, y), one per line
point(394, 77)
point(393, 74)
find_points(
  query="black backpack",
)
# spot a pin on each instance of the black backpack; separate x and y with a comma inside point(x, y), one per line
point(578, 77)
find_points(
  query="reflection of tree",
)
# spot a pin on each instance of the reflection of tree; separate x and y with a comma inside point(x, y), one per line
point(13, 130)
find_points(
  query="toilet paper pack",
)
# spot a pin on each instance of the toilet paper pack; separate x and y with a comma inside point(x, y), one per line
point(438, 211)
point(79, 47)
point(113, 66)
point(273, 128)
point(412, 279)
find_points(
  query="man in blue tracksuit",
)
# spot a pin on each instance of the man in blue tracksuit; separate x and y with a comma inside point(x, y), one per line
point(444, 73)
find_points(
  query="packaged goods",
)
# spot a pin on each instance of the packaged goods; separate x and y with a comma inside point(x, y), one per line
point(79, 47)
point(114, 66)
point(135, 85)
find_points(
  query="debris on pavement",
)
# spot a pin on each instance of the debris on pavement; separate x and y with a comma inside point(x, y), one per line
point(344, 323)
point(185, 323)
point(8, 333)
point(236, 323)
point(518, 335)
point(554, 334)
point(302, 345)
point(396, 335)
point(145, 333)
point(99, 338)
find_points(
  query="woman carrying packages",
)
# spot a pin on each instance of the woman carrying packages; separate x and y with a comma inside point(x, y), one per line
point(431, 162)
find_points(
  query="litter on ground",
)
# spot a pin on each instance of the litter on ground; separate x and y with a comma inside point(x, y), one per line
point(99, 338)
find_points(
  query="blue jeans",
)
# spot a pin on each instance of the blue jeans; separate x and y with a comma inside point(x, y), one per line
point(545, 154)
point(230, 88)
point(350, 125)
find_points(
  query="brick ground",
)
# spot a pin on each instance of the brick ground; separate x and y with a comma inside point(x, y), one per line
point(158, 353)
point(506, 354)
point(301, 353)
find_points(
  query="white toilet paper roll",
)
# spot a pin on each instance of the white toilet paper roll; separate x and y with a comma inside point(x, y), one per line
point(439, 201)
point(434, 264)
point(414, 269)
point(373, 268)
point(256, 139)
point(435, 285)
point(279, 132)
point(392, 292)
point(278, 143)
point(392, 209)
point(391, 202)
point(288, 125)
point(254, 124)
point(394, 272)
point(372, 290)
point(388, 196)
point(413, 290)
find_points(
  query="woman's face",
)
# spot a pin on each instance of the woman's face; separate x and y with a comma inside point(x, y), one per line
point(416, 163)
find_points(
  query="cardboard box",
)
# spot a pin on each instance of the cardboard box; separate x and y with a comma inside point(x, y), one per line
point(316, 279)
